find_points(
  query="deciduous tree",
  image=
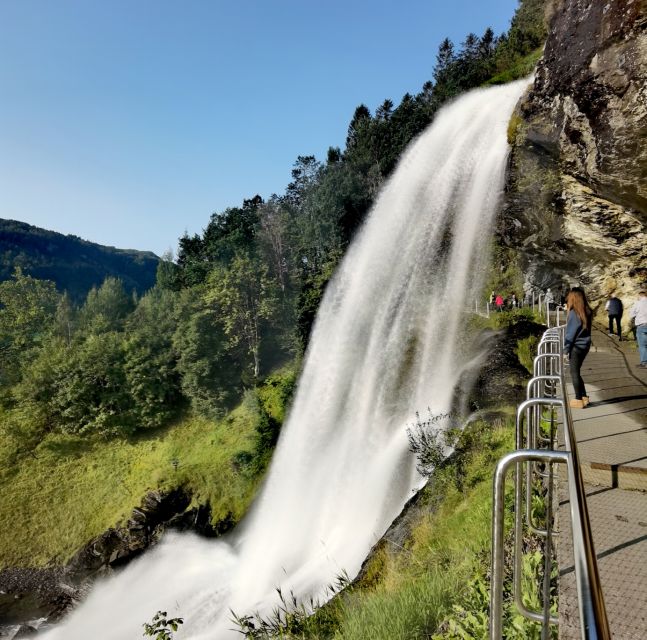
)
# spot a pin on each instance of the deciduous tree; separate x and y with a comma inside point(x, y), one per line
point(244, 297)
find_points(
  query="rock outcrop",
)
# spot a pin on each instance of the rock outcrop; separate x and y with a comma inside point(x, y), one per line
point(29, 593)
point(576, 198)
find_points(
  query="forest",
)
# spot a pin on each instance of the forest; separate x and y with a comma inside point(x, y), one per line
point(74, 264)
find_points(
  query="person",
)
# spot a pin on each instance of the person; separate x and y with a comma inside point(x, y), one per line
point(639, 314)
point(577, 341)
point(498, 301)
point(513, 301)
point(614, 310)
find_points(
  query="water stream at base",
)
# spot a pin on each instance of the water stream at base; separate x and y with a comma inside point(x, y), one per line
point(386, 343)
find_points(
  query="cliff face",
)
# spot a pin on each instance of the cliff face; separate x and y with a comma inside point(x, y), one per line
point(576, 198)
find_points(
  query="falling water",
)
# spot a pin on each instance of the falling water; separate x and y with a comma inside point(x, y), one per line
point(386, 343)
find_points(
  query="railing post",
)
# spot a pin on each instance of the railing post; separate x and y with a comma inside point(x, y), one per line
point(498, 500)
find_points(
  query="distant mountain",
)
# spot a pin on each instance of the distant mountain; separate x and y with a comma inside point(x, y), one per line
point(74, 264)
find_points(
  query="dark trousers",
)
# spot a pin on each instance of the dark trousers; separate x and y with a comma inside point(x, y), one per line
point(577, 358)
point(617, 319)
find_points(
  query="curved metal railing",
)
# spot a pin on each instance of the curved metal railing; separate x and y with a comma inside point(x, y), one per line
point(535, 443)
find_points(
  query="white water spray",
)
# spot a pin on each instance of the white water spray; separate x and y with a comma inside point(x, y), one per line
point(385, 345)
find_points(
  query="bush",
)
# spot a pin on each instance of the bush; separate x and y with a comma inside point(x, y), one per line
point(526, 350)
point(511, 317)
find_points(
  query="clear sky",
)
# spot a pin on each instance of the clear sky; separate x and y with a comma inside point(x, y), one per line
point(128, 122)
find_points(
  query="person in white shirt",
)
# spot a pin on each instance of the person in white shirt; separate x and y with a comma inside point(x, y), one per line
point(639, 314)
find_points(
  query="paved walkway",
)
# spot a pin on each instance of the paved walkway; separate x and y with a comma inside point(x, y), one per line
point(612, 444)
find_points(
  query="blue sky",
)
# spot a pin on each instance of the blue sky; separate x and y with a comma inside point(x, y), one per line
point(128, 122)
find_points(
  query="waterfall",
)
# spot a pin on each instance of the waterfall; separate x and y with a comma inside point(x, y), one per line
point(386, 343)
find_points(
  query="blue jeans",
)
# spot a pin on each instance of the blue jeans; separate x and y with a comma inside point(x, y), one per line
point(641, 336)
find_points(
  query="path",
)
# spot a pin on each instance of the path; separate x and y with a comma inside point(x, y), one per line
point(612, 443)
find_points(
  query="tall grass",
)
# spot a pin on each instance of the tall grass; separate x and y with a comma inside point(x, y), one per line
point(448, 544)
point(72, 488)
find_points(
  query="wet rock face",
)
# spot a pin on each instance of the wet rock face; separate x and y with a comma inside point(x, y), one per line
point(592, 84)
point(576, 201)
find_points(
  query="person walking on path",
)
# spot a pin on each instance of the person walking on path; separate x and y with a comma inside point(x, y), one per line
point(639, 314)
point(499, 302)
point(614, 309)
point(577, 341)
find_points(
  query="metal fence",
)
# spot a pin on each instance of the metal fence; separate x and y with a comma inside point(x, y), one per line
point(533, 462)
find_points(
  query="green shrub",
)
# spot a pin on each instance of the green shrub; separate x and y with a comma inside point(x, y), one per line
point(506, 319)
point(526, 351)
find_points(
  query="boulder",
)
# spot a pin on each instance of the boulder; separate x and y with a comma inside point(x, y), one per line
point(117, 546)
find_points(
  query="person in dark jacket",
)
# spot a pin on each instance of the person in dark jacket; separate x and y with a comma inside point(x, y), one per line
point(577, 341)
point(614, 310)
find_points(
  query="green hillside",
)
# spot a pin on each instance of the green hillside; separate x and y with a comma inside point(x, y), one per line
point(75, 265)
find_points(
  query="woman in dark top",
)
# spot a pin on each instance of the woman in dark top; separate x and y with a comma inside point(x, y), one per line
point(577, 341)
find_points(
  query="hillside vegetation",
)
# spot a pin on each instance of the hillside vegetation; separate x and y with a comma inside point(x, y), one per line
point(73, 264)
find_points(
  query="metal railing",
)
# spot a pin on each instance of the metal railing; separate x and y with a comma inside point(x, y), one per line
point(536, 423)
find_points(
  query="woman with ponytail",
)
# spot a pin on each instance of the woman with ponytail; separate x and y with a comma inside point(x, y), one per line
point(577, 341)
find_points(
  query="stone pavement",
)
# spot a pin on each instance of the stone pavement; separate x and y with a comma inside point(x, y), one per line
point(612, 443)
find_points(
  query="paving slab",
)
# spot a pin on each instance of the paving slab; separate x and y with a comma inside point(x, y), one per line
point(619, 524)
point(612, 443)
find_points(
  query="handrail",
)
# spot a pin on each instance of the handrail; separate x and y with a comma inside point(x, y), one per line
point(593, 615)
point(542, 391)
point(516, 458)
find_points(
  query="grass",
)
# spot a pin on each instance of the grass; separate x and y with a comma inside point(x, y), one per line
point(449, 543)
point(513, 127)
point(519, 69)
point(419, 587)
point(72, 489)
point(526, 351)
